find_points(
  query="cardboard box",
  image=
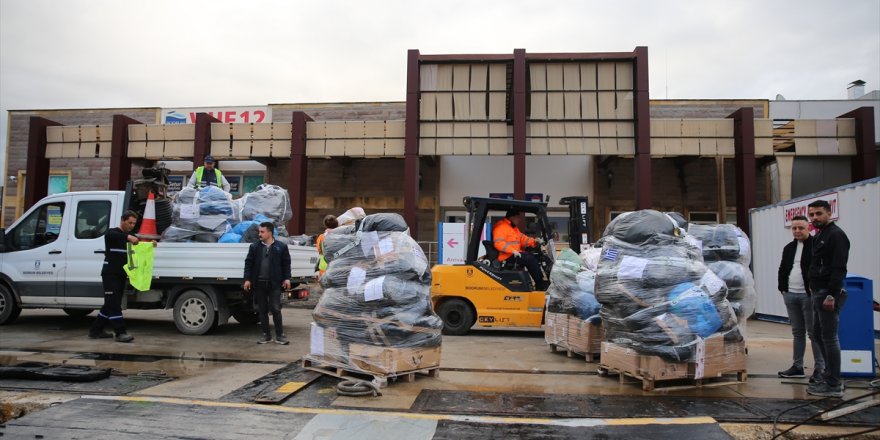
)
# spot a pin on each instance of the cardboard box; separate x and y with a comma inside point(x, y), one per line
point(720, 357)
point(389, 360)
point(556, 329)
point(584, 337)
point(656, 368)
point(325, 345)
point(619, 357)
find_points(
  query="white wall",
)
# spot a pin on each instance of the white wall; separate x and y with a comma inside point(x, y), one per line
point(556, 176)
point(859, 217)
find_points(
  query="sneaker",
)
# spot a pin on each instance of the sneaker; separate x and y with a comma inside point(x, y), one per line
point(816, 377)
point(792, 372)
point(281, 340)
point(102, 335)
point(265, 339)
point(825, 390)
point(124, 337)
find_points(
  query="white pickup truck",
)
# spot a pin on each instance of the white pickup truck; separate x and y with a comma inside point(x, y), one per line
point(52, 257)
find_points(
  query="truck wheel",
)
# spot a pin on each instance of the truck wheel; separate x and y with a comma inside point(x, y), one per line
point(9, 310)
point(194, 313)
point(245, 315)
point(77, 313)
point(457, 317)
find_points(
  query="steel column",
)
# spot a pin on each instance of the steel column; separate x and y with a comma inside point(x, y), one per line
point(120, 163)
point(202, 143)
point(864, 163)
point(297, 182)
point(411, 147)
point(519, 124)
point(744, 149)
point(642, 160)
point(36, 184)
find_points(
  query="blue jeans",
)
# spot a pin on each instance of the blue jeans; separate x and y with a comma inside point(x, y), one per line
point(800, 313)
point(825, 325)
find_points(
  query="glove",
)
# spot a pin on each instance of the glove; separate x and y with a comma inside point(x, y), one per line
point(517, 254)
point(540, 241)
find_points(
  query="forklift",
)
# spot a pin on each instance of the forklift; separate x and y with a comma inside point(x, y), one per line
point(490, 293)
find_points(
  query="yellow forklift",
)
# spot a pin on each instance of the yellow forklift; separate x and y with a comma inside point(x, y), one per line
point(490, 293)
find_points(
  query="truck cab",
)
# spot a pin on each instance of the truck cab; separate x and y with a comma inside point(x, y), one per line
point(49, 256)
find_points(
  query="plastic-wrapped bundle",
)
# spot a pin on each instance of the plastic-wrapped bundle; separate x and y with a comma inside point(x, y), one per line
point(722, 243)
point(585, 303)
point(202, 215)
point(729, 252)
point(270, 201)
point(383, 222)
point(658, 296)
point(176, 234)
point(376, 303)
point(639, 226)
point(571, 288)
point(351, 216)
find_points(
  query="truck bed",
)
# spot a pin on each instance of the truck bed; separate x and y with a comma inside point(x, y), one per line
point(221, 261)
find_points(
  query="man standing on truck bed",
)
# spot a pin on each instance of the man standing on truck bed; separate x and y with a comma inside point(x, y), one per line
point(207, 175)
point(266, 270)
point(114, 279)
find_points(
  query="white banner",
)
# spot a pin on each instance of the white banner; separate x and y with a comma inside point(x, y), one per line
point(187, 115)
point(790, 210)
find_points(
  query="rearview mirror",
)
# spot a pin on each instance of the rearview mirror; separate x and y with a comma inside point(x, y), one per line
point(2, 239)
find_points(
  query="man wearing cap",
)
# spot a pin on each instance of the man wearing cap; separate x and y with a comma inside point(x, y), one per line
point(207, 175)
point(510, 241)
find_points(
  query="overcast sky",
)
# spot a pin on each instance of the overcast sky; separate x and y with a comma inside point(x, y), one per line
point(159, 53)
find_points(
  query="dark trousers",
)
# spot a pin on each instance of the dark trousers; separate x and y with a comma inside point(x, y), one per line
point(111, 311)
point(269, 300)
point(531, 263)
point(825, 326)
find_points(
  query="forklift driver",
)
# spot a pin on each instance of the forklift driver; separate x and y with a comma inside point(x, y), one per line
point(510, 241)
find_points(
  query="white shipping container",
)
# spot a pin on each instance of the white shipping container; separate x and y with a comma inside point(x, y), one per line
point(858, 214)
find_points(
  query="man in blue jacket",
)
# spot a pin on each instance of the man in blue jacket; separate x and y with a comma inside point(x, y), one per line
point(266, 271)
point(827, 271)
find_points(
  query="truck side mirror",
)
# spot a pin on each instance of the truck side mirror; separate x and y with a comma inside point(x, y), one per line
point(2, 239)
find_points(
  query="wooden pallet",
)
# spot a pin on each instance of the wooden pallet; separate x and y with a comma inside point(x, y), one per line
point(350, 372)
point(651, 384)
point(589, 357)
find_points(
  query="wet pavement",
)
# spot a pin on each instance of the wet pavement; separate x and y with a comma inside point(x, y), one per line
point(492, 384)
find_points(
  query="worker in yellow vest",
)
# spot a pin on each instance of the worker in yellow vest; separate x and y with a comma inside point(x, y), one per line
point(207, 175)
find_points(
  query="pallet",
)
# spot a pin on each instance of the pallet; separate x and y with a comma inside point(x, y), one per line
point(350, 372)
point(651, 384)
point(588, 357)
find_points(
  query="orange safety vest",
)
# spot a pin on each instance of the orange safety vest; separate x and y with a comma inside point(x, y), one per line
point(507, 238)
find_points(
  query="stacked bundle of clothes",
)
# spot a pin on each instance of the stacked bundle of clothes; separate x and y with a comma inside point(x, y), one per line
point(211, 215)
point(658, 295)
point(377, 292)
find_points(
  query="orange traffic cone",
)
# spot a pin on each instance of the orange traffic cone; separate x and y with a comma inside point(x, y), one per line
point(148, 230)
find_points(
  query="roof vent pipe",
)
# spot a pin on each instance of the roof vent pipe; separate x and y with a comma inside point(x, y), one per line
point(855, 89)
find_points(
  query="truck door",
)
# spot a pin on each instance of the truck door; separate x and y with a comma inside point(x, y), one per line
point(34, 257)
point(85, 249)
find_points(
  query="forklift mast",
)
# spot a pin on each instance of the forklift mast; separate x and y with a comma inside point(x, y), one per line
point(578, 221)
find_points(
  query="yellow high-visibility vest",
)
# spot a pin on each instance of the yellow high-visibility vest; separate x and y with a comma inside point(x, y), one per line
point(200, 171)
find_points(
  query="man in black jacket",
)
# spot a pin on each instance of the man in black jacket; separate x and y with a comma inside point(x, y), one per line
point(793, 282)
point(266, 271)
point(113, 278)
point(827, 272)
